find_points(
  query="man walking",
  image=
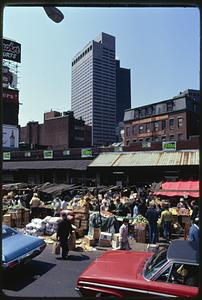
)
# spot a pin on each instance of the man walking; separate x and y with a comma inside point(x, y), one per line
point(152, 216)
point(166, 221)
point(63, 232)
point(194, 232)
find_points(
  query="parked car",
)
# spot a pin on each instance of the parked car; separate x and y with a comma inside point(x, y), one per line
point(18, 248)
point(171, 272)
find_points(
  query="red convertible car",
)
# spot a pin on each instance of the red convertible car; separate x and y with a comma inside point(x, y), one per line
point(171, 272)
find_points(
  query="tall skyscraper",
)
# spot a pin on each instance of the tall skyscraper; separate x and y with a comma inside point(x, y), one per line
point(123, 92)
point(94, 88)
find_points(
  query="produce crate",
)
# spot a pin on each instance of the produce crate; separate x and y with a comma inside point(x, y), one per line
point(84, 224)
point(81, 216)
point(84, 209)
point(105, 243)
point(77, 222)
point(140, 235)
point(7, 219)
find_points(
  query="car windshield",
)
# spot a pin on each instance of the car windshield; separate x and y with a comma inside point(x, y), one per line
point(155, 263)
point(7, 232)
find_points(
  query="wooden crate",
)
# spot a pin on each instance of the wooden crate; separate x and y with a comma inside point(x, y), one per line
point(140, 236)
point(83, 209)
point(81, 216)
point(84, 224)
point(79, 232)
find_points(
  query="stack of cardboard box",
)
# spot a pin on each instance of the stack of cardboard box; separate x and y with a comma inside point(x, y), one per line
point(81, 220)
point(105, 239)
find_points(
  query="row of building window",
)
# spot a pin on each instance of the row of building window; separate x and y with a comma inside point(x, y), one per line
point(153, 110)
point(82, 55)
point(154, 126)
point(171, 137)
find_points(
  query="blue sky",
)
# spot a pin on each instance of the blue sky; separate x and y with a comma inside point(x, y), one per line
point(159, 45)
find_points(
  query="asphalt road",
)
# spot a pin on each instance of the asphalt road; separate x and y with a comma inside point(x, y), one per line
point(45, 276)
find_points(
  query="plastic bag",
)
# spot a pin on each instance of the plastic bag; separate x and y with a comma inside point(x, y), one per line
point(56, 248)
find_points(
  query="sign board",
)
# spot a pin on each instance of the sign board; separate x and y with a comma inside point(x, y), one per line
point(86, 152)
point(6, 155)
point(146, 144)
point(10, 136)
point(169, 146)
point(48, 154)
point(118, 149)
point(11, 50)
point(9, 95)
point(9, 78)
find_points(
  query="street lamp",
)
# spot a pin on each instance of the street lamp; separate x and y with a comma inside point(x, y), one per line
point(54, 13)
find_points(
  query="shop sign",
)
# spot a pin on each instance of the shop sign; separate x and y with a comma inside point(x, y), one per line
point(11, 50)
point(6, 155)
point(146, 144)
point(86, 152)
point(10, 136)
point(10, 95)
point(118, 149)
point(48, 154)
point(169, 146)
point(9, 78)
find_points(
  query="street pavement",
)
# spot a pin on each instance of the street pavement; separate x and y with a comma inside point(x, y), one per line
point(45, 276)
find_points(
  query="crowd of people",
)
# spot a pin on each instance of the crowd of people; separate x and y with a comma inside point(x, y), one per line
point(125, 203)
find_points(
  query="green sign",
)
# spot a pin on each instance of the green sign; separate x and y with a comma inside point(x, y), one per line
point(48, 154)
point(169, 146)
point(86, 153)
point(6, 155)
point(118, 149)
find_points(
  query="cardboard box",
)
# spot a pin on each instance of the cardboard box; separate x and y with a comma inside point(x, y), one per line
point(77, 222)
point(115, 244)
point(81, 216)
point(83, 209)
point(96, 233)
point(116, 236)
point(152, 248)
point(105, 236)
point(105, 243)
point(140, 236)
point(89, 240)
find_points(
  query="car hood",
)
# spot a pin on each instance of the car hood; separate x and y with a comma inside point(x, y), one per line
point(120, 266)
point(18, 245)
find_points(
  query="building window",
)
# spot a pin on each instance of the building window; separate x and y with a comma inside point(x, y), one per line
point(134, 129)
point(180, 122)
point(141, 129)
point(142, 112)
point(172, 137)
point(148, 129)
point(156, 139)
point(180, 136)
point(136, 114)
point(135, 140)
point(156, 126)
point(140, 140)
point(171, 123)
point(127, 131)
point(163, 138)
point(147, 139)
point(163, 124)
point(170, 106)
point(149, 111)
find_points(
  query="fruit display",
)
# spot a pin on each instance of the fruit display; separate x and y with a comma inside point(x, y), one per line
point(140, 220)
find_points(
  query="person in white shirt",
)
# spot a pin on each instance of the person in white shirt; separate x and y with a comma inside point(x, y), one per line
point(123, 239)
point(63, 204)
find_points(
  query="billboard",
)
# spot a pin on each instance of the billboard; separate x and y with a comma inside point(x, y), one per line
point(11, 50)
point(9, 79)
point(6, 155)
point(10, 136)
point(10, 95)
point(86, 152)
point(169, 146)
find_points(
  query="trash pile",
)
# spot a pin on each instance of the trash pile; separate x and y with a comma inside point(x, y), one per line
point(40, 227)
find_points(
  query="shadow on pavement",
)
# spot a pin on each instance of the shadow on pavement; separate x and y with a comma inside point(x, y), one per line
point(23, 275)
point(78, 257)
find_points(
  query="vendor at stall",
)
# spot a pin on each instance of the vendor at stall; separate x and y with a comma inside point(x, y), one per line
point(35, 203)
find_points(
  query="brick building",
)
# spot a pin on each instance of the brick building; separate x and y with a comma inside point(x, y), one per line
point(173, 119)
point(59, 131)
